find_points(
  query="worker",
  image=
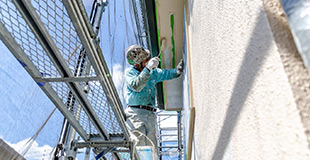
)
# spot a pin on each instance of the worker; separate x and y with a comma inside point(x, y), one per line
point(141, 81)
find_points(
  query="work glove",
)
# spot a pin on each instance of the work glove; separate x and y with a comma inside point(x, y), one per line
point(180, 67)
point(152, 63)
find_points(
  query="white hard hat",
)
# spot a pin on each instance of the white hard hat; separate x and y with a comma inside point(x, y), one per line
point(136, 54)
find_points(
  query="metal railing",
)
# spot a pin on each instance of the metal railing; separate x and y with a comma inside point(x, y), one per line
point(170, 138)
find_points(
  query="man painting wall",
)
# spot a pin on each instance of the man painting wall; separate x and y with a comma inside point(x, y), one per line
point(141, 81)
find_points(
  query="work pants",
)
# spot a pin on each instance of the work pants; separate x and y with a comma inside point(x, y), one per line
point(145, 122)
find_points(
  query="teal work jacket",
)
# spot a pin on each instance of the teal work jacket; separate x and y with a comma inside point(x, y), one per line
point(141, 86)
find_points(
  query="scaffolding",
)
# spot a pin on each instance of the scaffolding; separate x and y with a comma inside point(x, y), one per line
point(50, 39)
point(57, 44)
point(170, 143)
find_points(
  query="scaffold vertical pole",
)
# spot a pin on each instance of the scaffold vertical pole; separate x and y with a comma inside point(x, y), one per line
point(180, 146)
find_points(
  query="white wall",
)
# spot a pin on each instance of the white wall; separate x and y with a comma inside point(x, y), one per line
point(245, 107)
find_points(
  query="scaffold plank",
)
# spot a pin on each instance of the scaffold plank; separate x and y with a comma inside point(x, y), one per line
point(33, 20)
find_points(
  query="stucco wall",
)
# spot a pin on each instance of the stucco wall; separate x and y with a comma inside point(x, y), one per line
point(245, 105)
point(298, 75)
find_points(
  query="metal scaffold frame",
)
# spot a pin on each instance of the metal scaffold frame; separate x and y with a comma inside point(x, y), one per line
point(170, 141)
point(33, 37)
point(57, 45)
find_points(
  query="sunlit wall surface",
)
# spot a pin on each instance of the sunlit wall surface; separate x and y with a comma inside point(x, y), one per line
point(243, 94)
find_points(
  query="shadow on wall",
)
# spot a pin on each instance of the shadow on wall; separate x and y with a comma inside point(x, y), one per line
point(255, 54)
point(292, 61)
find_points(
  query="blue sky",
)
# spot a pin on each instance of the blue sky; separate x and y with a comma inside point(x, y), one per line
point(24, 106)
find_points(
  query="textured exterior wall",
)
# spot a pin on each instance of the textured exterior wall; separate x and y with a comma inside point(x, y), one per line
point(242, 91)
point(297, 73)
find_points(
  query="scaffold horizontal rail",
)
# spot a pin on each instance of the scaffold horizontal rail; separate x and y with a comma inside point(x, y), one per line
point(168, 147)
point(169, 128)
point(168, 140)
point(169, 135)
point(68, 79)
point(102, 144)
